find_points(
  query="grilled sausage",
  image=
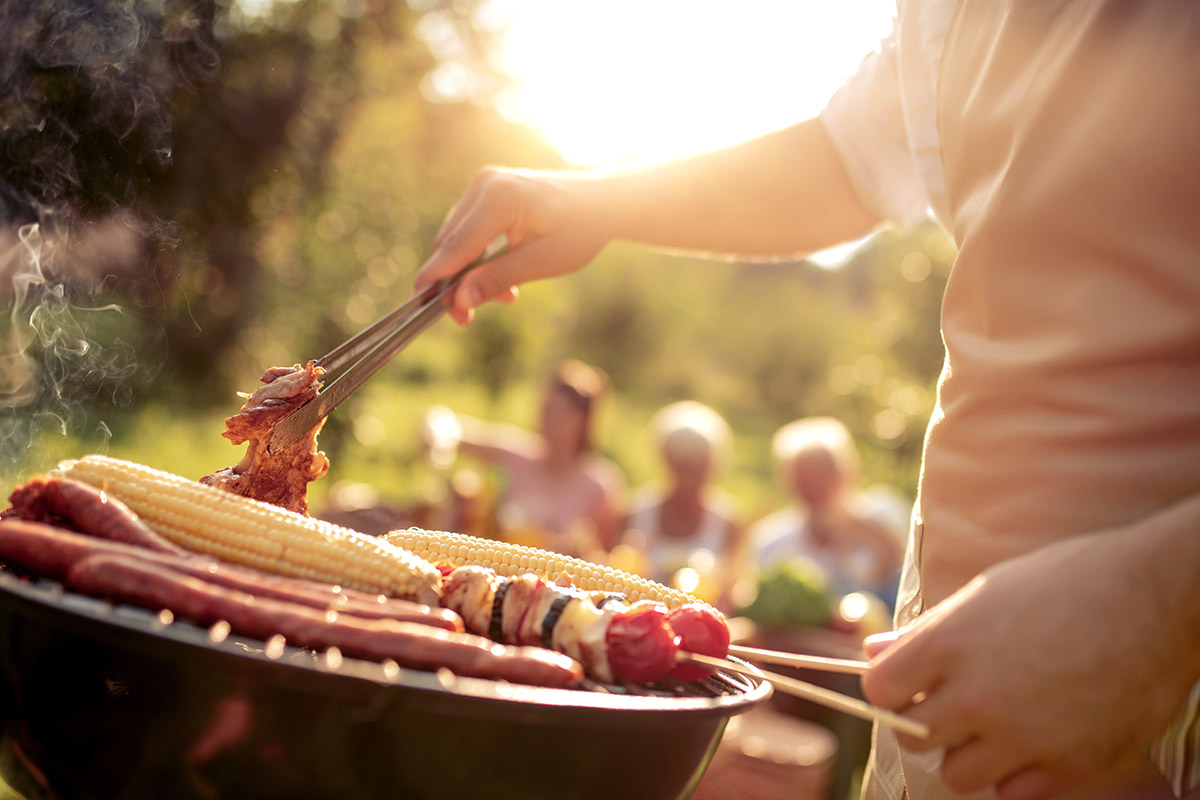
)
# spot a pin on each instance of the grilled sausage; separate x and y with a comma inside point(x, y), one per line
point(43, 550)
point(154, 586)
point(50, 552)
point(322, 595)
point(85, 508)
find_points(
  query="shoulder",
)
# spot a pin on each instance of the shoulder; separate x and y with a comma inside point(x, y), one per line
point(886, 507)
point(775, 526)
point(720, 502)
point(606, 475)
point(646, 497)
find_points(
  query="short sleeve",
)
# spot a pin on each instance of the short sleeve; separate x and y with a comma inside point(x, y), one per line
point(866, 122)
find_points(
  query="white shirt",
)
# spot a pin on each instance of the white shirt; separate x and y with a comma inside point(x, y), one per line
point(1059, 143)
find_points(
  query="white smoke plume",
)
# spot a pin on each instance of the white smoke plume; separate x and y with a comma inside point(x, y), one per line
point(85, 126)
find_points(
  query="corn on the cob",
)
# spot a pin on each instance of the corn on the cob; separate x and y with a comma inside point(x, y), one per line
point(243, 531)
point(510, 560)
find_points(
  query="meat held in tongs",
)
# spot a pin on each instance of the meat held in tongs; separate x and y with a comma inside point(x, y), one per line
point(280, 478)
point(282, 458)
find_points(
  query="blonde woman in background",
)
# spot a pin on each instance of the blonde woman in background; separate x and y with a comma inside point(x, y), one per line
point(689, 524)
point(856, 537)
point(560, 493)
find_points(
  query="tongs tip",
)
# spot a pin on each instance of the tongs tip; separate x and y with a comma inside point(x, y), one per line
point(350, 364)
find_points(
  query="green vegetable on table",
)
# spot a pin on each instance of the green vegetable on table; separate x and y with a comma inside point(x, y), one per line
point(791, 593)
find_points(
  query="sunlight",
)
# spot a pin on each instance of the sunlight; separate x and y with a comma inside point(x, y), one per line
point(653, 79)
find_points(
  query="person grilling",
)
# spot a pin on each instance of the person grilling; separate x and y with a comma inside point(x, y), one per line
point(1048, 629)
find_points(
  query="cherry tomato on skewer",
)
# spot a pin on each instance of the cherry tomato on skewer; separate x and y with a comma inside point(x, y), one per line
point(700, 631)
point(642, 646)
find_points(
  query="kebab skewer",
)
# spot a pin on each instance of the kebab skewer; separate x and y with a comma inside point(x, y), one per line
point(643, 643)
point(615, 641)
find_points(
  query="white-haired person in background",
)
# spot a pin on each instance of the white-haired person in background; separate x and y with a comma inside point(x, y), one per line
point(688, 524)
point(856, 537)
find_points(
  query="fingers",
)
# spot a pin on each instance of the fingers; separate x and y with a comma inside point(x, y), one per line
point(977, 764)
point(547, 226)
point(537, 259)
point(902, 671)
point(454, 218)
point(498, 278)
point(472, 228)
point(961, 719)
point(1034, 783)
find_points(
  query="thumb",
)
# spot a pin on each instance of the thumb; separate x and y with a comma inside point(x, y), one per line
point(876, 643)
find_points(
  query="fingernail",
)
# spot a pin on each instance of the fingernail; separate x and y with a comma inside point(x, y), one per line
point(876, 643)
point(469, 297)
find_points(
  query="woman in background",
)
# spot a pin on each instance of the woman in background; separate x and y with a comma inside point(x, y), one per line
point(560, 493)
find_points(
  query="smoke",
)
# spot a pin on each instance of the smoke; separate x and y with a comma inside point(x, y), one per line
point(86, 91)
point(87, 88)
point(60, 358)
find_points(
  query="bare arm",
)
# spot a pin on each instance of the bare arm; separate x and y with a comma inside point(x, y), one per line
point(781, 194)
point(494, 442)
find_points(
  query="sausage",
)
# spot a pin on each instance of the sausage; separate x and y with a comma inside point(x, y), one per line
point(50, 552)
point(321, 595)
point(155, 586)
point(41, 549)
point(87, 509)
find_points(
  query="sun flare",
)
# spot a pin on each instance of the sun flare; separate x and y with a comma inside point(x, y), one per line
point(652, 79)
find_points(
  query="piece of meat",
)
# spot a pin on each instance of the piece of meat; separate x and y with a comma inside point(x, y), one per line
point(83, 507)
point(50, 552)
point(513, 606)
point(470, 592)
point(152, 586)
point(541, 602)
point(612, 641)
point(282, 478)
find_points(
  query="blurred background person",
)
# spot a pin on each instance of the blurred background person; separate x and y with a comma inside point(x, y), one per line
point(856, 537)
point(685, 531)
point(559, 492)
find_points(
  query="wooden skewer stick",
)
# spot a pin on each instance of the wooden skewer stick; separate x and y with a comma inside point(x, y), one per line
point(843, 665)
point(818, 694)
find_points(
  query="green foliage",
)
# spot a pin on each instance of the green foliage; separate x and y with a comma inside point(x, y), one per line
point(308, 183)
point(791, 593)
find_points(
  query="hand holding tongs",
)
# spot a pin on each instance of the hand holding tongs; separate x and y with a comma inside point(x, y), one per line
point(358, 358)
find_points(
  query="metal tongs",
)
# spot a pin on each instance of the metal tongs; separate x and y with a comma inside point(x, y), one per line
point(358, 358)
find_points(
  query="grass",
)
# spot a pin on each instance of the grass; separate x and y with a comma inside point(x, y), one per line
point(376, 440)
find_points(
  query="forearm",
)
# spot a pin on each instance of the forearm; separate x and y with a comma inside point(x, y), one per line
point(781, 194)
point(495, 442)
